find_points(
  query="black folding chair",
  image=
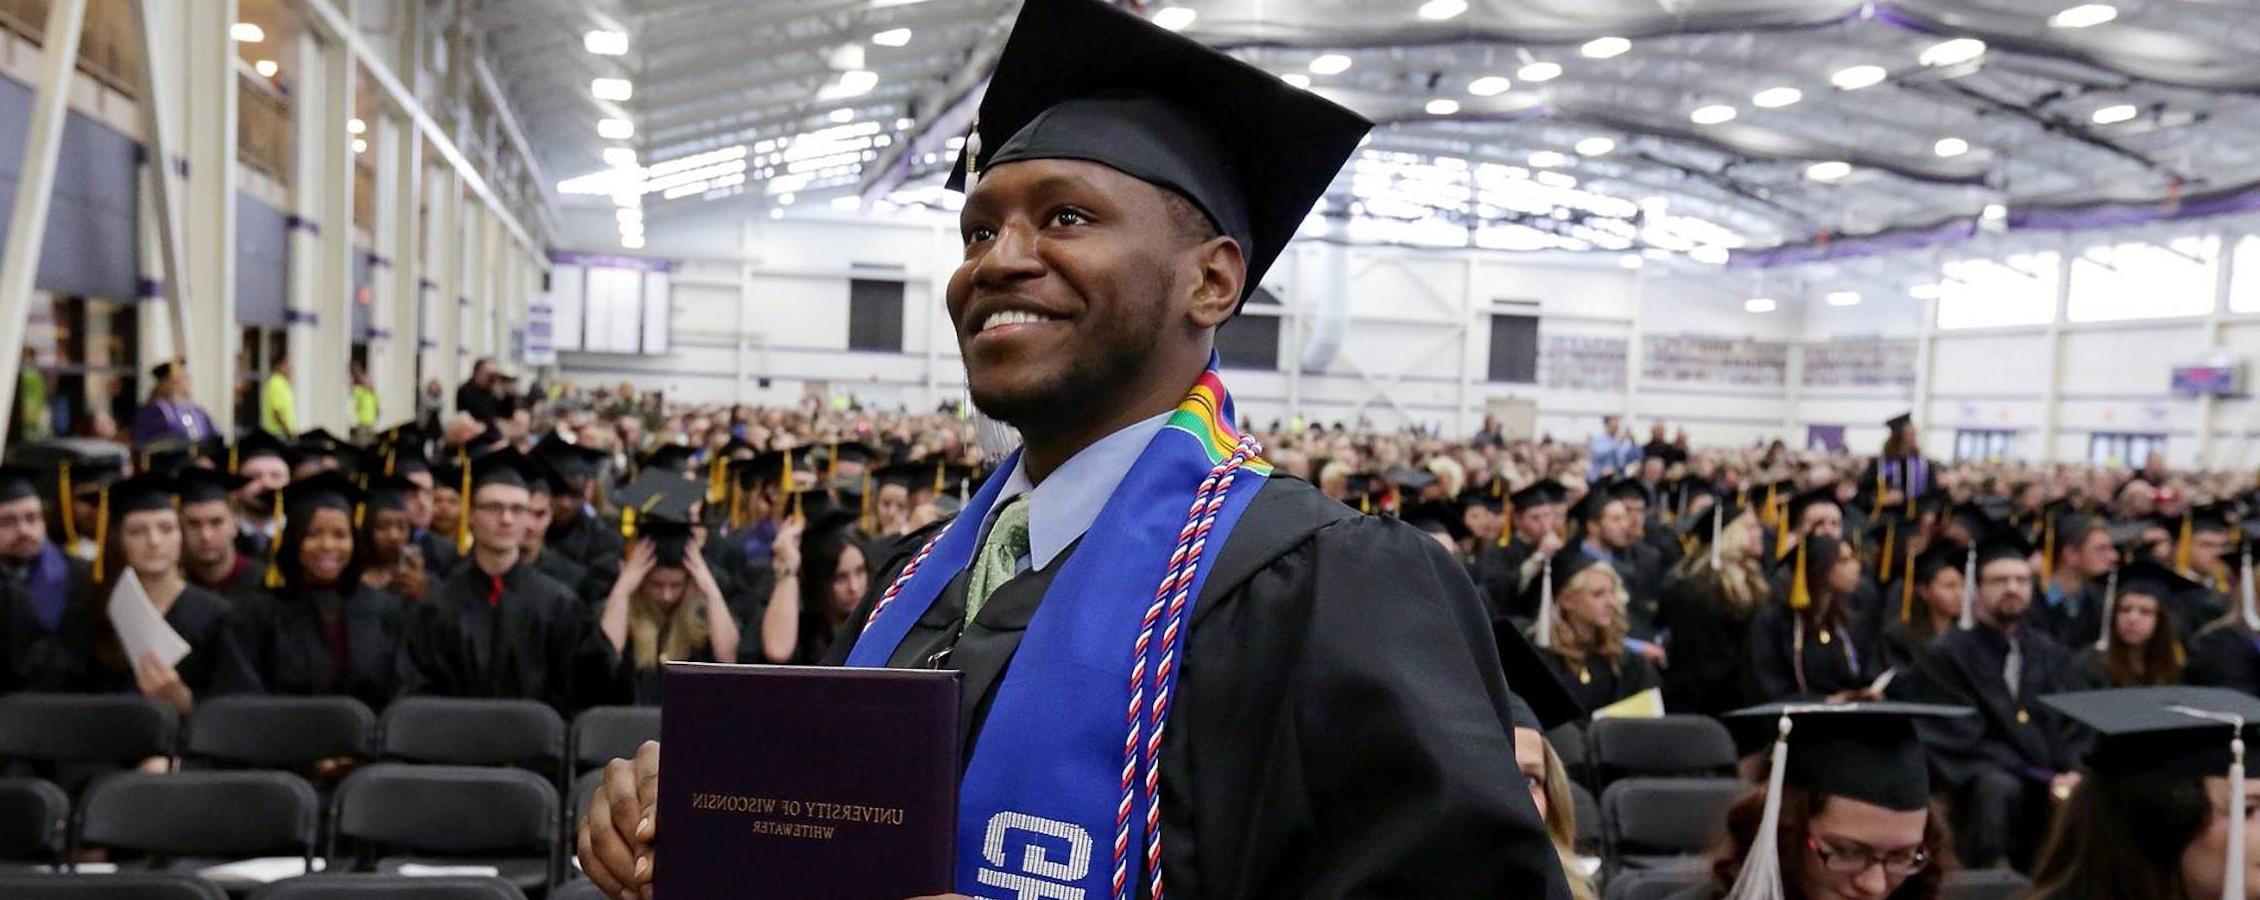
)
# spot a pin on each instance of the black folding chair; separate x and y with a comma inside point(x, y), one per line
point(137, 886)
point(579, 890)
point(259, 731)
point(577, 803)
point(389, 815)
point(1590, 839)
point(1665, 823)
point(34, 819)
point(89, 731)
point(1569, 743)
point(190, 820)
point(1666, 747)
point(388, 887)
point(465, 732)
point(1983, 884)
point(1654, 885)
point(606, 733)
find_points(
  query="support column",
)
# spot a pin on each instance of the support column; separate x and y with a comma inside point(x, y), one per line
point(309, 173)
point(1926, 359)
point(2208, 408)
point(392, 273)
point(1473, 307)
point(2052, 394)
point(326, 397)
point(443, 311)
point(27, 224)
point(1634, 363)
point(157, 27)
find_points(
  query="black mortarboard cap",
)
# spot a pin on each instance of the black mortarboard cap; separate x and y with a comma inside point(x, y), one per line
point(1865, 751)
point(1538, 493)
point(1437, 517)
point(1479, 496)
point(1941, 554)
point(389, 491)
point(2211, 516)
point(163, 370)
point(2002, 542)
point(199, 485)
point(142, 493)
point(1080, 79)
point(447, 475)
point(258, 444)
point(2155, 580)
point(542, 476)
point(1538, 697)
point(1630, 489)
point(318, 444)
point(18, 482)
point(1899, 421)
point(1409, 478)
point(1807, 500)
point(674, 458)
point(501, 467)
point(323, 490)
point(907, 474)
point(658, 505)
point(2168, 730)
point(572, 461)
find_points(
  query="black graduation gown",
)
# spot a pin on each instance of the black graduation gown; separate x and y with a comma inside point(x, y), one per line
point(1498, 570)
point(632, 686)
point(592, 542)
point(2076, 619)
point(1642, 567)
point(248, 578)
point(439, 552)
point(1341, 726)
point(201, 617)
point(2225, 655)
point(277, 644)
point(573, 575)
point(2020, 734)
point(2195, 608)
point(1838, 660)
point(39, 658)
point(746, 583)
point(536, 644)
point(1896, 472)
point(1708, 648)
point(1599, 682)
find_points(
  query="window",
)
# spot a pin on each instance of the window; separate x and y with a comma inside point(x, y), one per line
point(2244, 277)
point(1984, 293)
point(1983, 446)
point(1251, 339)
point(2143, 281)
point(875, 315)
point(2127, 450)
point(1514, 349)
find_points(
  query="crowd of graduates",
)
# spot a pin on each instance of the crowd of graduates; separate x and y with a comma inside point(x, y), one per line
point(566, 547)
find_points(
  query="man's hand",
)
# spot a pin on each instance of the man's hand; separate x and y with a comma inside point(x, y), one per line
point(616, 835)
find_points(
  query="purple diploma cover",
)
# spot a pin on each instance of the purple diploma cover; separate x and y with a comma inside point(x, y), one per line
point(809, 783)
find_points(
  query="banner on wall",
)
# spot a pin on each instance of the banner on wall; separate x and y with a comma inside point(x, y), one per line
point(537, 346)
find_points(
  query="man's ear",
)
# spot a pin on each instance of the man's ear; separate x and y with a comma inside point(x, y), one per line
point(1222, 272)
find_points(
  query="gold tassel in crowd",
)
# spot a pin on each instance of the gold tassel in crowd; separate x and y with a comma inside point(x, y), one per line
point(1800, 596)
point(1876, 508)
point(939, 467)
point(2181, 546)
point(2047, 546)
point(1507, 524)
point(360, 514)
point(64, 498)
point(628, 523)
point(736, 499)
point(832, 467)
point(101, 531)
point(463, 518)
point(231, 459)
point(1907, 591)
point(717, 475)
point(1883, 559)
point(865, 520)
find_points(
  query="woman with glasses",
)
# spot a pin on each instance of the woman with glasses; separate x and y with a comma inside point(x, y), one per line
point(1847, 802)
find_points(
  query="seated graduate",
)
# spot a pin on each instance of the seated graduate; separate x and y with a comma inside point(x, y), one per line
point(1927, 601)
point(666, 606)
point(2164, 808)
point(1581, 627)
point(450, 535)
point(1999, 766)
point(2077, 559)
point(1536, 513)
point(1810, 646)
point(391, 561)
point(1706, 612)
point(140, 533)
point(317, 629)
point(575, 531)
point(494, 628)
point(43, 622)
point(2226, 651)
point(1642, 563)
point(559, 566)
point(2201, 555)
point(261, 459)
point(1549, 782)
point(1845, 811)
point(2139, 648)
point(209, 551)
point(821, 574)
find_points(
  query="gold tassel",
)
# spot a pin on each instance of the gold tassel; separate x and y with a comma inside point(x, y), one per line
point(1365, 504)
point(2181, 546)
point(391, 457)
point(1800, 596)
point(68, 502)
point(938, 469)
point(101, 531)
point(736, 501)
point(2047, 547)
point(1883, 559)
point(1507, 525)
point(717, 475)
point(1907, 592)
point(1783, 547)
point(1771, 518)
point(864, 521)
point(1876, 509)
point(628, 523)
point(360, 513)
point(463, 520)
point(231, 458)
point(797, 517)
point(832, 468)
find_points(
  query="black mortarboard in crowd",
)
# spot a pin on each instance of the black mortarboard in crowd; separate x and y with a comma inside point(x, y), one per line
point(320, 446)
point(1408, 478)
point(389, 492)
point(659, 505)
point(1083, 80)
point(1799, 503)
point(505, 467)
point(324, 490)
point(1543, 492)
point(1437, 517)
point(1869, 752)
point(199, 485)
point(18, 482)
point(140, 493)
point(255, 445)
point(1899, 421)
point(674, 458)
point(2169, 730)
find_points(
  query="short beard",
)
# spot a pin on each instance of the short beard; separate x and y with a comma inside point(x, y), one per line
point(1086, 389)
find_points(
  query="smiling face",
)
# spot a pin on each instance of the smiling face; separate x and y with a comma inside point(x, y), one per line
point(1084, 289)
point(327, 547)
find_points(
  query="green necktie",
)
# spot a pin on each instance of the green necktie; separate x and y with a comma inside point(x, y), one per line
point(1000, 555)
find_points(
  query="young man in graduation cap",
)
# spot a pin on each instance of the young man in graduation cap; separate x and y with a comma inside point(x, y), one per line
point(2226, 651)
point(544, 485)
point(2000, 765)
point(1341, 727)
point(263, 461)
point(1534, 520)
point(575, 530)
point(208, 534)
point(2070, 603)
point(44, 627)
point(493, 627)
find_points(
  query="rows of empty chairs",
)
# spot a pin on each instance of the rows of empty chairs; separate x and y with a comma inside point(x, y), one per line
point(436, 785)
point(1664, 787)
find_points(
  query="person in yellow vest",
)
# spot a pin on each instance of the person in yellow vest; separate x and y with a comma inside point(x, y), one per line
point(364, 398)
point(278, 401)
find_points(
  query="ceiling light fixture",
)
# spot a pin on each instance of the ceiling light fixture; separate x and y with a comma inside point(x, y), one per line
point(1489, 86)
point(266, 68)
point(1852, 78)
point(856, 82)
point(1630, 261)
point(360, 145)
point(1330, 64)
point(900, 37)
point(1605, 47)
point(1175, 18)
point(1844, 298)
point(2084, 15)
point(615, 129)
point(612, 88)
point(1443, 107)
point(1439, 10)
point(1297, 79)
point(620, 157)
point(1950, 147)
point(841, 116)
point(1546, 159)
point(1776, 97)
point(1713, 114)
point(1759, 305)
point(355, 126)
point(1595, 146)
point(605, 43)
point(247, 33)
point(1952, 52)
point(1539, 71)
point(2115, 113)
point(1831, 170)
